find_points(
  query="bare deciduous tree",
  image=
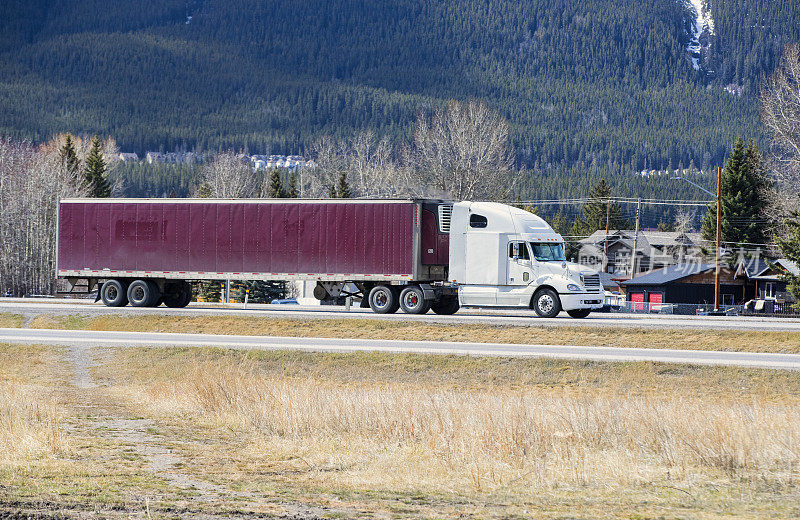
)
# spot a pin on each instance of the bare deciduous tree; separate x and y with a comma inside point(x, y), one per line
point(780, 112)
point(463, 150)
point(367, 163)
point(32, 181)
point(228, 176)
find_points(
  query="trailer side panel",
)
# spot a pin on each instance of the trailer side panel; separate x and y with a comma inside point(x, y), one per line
point(301, 238)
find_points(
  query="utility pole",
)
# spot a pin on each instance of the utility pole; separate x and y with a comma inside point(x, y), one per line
point(636, 238)
point(605, 247)
point(719, 237)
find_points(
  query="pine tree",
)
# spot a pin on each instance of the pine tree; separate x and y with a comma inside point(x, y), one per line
point(261, 291)
point(744, 198)
point(343, 188)
point(204, 191)
point(275, 189)
point(69, 160)
point(211, 291)
point(789, 246)
point(594, 211)
point(293, 192)
point(95, 172)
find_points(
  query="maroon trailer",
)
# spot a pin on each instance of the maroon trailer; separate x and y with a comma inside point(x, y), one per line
point(145, 251)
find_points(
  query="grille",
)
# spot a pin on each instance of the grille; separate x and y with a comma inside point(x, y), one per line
point(445, 213)
point(592, 282)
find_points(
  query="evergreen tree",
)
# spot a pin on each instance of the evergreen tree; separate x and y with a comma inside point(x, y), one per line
point(665, 226)
point(342, 190)
point(204, 191)
point(293, 192)
point(789, 246)
point(95, 172)
point(69, 160)
point(744, 198)
point(275, 189)
point(211, 291)
point(594, 211)
point(262, 291)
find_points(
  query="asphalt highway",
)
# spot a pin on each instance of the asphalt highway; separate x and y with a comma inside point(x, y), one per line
point(514, 317)
point(86, 339)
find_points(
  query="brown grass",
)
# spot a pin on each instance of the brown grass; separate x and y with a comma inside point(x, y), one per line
point(787, 342)
point(394, 436)
point(11, 321)
point(496, 426)
point(30, 417)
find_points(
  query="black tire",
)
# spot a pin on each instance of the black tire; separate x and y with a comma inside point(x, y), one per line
point(178, 295)
point(141, 294)
point(114, 293)
point(579, 313)
point(446, 306)
point(383, 299)
point(546, 303)
point(187, 296)
point(156, 297)
point(412, 300)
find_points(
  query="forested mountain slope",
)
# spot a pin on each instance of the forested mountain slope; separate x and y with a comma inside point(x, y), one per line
point(603, 82)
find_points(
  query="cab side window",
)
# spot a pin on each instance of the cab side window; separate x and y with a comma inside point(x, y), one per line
point(518, 250)
point(478, 221)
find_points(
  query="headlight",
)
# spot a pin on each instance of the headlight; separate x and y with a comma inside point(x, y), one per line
point(573, 287)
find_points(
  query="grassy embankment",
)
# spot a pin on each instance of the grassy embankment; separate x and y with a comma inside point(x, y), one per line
point(733, 340)
point(352, 435)
point(8, 320)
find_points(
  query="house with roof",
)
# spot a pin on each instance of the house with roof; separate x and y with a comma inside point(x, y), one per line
point(611, 252)
point(686, 283)
point(129, 157)
point(766, 277)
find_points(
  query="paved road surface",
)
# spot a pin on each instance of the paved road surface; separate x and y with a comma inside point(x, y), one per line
point(518, 317)
point(85, 339)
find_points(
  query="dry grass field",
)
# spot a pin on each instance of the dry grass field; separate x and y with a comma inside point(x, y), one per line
point(163, 433)
point(8, 320)
point(787, 342)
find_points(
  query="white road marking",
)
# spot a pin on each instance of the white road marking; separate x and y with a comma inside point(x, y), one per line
point(591, 353)
point(513, 317)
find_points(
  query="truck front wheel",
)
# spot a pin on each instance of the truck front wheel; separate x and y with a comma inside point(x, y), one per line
point(579, 313)
point(114, 293)
point(546, 303)
point(383, 300)
point(412, 300)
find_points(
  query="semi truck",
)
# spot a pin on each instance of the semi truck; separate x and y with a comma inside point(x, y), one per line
point(414, 255)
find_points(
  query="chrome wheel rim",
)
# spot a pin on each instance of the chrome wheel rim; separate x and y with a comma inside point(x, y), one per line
point(112, 293)
point(546, 303)
point(411, 300)
point(381, 299)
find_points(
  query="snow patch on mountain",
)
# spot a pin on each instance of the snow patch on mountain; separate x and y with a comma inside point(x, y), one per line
point(702, 31)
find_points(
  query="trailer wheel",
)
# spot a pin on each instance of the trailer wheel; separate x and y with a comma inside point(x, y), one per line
point(579, 313)
point(546, 303)
point(446, 306)
point(141, 293)
point(114, 293)
point(383, 300)
point(187, 295)
point(412, 300)
point(178, 296)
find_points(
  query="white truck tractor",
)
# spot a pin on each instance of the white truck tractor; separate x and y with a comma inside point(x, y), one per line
point(507, 257)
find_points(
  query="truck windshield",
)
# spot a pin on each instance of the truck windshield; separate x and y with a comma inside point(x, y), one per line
point(548, 252)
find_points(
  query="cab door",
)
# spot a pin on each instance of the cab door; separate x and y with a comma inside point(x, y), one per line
point(519, 274)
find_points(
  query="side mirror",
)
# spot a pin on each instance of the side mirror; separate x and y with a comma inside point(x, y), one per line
point(515, 250)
